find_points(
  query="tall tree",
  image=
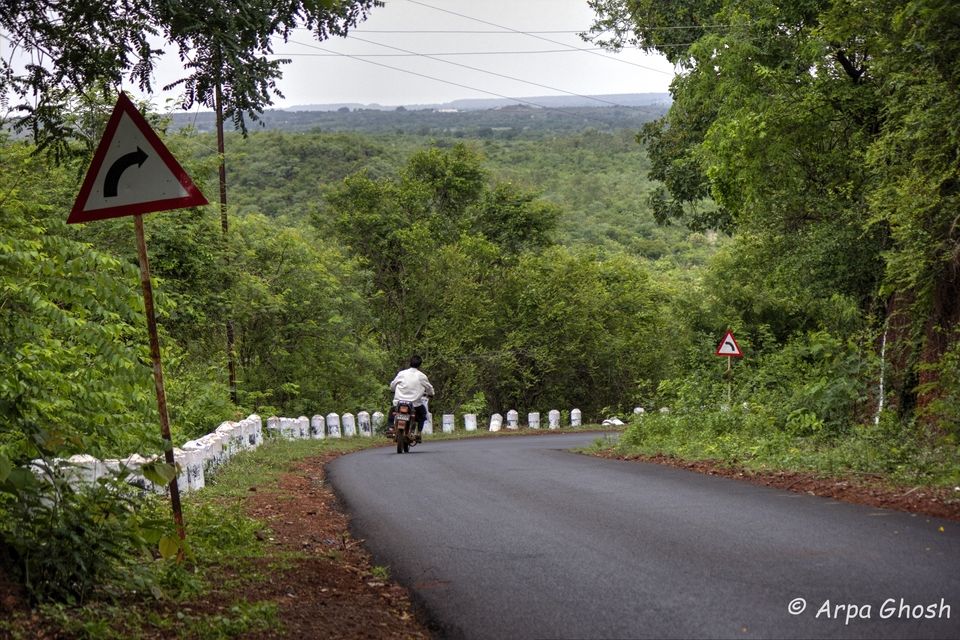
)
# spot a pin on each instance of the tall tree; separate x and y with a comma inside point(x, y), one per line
point(226, 46)
point(76, 46)
point(816, 122)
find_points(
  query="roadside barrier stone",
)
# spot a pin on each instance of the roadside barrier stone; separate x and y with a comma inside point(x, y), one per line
point(197, 460)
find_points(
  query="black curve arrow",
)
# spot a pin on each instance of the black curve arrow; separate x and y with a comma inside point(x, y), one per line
point(116, 170)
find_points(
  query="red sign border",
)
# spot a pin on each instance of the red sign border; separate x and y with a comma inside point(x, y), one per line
point(738, 354)
point(193, 198)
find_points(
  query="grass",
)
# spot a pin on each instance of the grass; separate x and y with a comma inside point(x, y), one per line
point(891, 453)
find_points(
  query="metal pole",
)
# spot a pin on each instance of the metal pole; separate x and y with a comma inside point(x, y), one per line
point(158, 376)
point(729, 382)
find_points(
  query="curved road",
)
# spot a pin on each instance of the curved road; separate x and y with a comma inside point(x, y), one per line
point(519, 538)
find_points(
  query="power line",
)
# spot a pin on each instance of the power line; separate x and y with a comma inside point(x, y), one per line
point(451, 82)
point(493, 73)
point(532, 35)
point(445, 53)
point(456, 31)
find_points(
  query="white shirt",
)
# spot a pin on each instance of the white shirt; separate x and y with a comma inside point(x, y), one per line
point(411, 385)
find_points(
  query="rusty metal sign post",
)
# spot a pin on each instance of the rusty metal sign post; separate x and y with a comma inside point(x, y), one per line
point(158, 378)
point(133, 173)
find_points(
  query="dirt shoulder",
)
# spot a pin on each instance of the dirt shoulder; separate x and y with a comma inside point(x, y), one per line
point(334, 592)
point(939, 502)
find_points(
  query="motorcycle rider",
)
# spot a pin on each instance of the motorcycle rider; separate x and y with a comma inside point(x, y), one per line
point(412, 385)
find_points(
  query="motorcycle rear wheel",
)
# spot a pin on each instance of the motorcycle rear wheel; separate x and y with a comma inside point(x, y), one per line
point(401, 440)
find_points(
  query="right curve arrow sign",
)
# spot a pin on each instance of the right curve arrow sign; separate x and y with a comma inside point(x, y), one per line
point(728, 347)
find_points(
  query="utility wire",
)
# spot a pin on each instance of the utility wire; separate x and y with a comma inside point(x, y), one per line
point(444, 53)
point(456, 84)
point(492, 73)
point(532, 35)
point(452, 31)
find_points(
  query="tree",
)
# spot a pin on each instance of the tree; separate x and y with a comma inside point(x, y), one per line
point(77, 46)
point(916, 165)
point(226, 46)
point(817, 121)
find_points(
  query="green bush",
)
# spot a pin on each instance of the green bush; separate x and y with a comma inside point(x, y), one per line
point(943, 408)
point(64, 543)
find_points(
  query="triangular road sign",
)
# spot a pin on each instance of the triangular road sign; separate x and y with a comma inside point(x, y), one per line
point(729, 347)
point(132, 172)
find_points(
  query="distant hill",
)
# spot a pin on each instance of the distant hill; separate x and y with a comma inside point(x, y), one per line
point(476, 104)
point(477, 118)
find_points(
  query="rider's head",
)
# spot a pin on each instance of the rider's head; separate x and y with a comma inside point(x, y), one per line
point(416, 361)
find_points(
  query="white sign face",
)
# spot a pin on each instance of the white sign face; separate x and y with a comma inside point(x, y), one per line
point(132, 172)
point(729, 347)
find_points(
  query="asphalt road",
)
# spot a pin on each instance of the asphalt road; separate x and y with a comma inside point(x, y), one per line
point(519, 538)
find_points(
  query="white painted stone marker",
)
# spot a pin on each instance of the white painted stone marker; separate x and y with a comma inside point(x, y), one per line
point(428, 423)
point(251, 431)
point(533, 420)
point(273, 426)
point(195, 454)
point(349, 425)
point(302, 427)
point(289, 429)
point(378, 421)
point(513, 419)
point(448, 419)
point(470, 422)
point(363, 423)
point(82, 469)
point(575, 418)
point(318, 427)
point(553, 419)
point(333, 425)
point(496, 422)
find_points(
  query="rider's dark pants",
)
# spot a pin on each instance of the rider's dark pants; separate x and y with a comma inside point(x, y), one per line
point(420, 413)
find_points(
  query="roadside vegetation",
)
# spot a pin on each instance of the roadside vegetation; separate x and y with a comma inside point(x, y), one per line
point(87, 589)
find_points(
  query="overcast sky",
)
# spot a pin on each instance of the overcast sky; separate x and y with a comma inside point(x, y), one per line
point(374, 65)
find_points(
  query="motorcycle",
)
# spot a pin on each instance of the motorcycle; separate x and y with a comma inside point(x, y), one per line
point(404, 427)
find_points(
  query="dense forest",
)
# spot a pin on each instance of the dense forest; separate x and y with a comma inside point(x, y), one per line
point(802, 190)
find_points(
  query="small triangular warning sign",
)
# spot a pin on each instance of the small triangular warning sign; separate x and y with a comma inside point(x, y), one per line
point(729, 347)
point(132, 172)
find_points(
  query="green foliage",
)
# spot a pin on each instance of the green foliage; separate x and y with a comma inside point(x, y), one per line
point(826, 134)
point(900, 452)
point(106, 621)
point(77, 46)
point(72, 331)
point(814, 384)
point(595, 180)
point(944, 389)
point(303, 326)
point(65, 543)
point(464, 273)
point(581, 330)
